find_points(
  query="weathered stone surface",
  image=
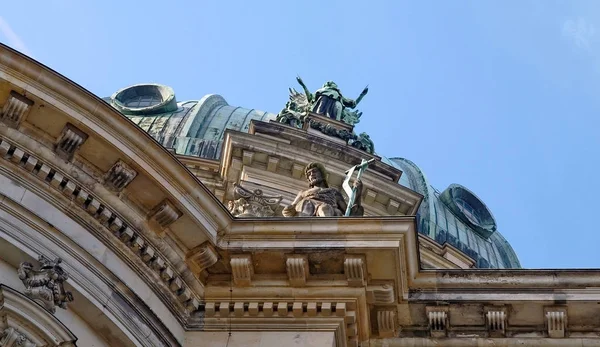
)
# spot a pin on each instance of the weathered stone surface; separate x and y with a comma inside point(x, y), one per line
point(69, 141)
point(45, 285)
point(248, 203)
point(15, 109)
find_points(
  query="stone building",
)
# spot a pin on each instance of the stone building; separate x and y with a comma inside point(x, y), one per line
point(138, 220)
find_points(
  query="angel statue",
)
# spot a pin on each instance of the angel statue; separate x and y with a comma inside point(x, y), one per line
point(329, 101)
point(295, 109)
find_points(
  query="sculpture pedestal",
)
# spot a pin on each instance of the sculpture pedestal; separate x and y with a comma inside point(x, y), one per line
point(330, 128)
point(339, 125)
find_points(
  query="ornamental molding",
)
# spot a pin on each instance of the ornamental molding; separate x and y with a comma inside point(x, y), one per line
point(108, 218)
point(25, 323)
point(277, 315)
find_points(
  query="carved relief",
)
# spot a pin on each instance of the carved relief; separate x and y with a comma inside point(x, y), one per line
point(45, 285)
point(248, 203)
point(12, 337)
point(69, 141)
point(119, 176)
point(14, 109)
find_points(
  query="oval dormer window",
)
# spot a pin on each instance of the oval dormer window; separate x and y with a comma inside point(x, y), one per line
point(469, 209)
point(145, 99)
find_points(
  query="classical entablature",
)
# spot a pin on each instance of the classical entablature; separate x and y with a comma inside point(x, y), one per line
point(155, 259)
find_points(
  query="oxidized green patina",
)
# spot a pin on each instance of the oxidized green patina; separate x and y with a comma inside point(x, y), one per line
point(329, 102)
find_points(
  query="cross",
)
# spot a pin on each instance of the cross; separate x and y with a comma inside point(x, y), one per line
point(351, 191)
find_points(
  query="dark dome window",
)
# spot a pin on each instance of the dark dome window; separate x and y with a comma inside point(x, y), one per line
point(143, 101)
point(469, 209)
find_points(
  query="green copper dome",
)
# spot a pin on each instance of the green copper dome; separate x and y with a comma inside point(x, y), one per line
point(458, 217)
point(192, 127)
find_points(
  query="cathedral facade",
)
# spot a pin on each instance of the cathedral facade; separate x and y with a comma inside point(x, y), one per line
point(138, 220)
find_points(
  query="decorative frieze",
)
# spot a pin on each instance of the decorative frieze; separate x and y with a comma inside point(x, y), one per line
point(438, 320)
point(165, 214)
point(355, 270)
point(556, 321)
point(119, 176)
point(382, 294)
point(69, 141)
point(386, 324)
point(242, 269)
point(201, 257)
point(297, 269)
point(286, 309)
point(14, 109)
point(101, 213)
point(248, 203)
point(45, 285)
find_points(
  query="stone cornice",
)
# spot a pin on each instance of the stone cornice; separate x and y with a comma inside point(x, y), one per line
point(506, 279)
point(91, 112)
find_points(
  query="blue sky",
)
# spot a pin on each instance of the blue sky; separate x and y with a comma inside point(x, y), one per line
point(499, 96)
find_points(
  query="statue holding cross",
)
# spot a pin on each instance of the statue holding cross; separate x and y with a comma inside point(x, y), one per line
point(320, 200)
